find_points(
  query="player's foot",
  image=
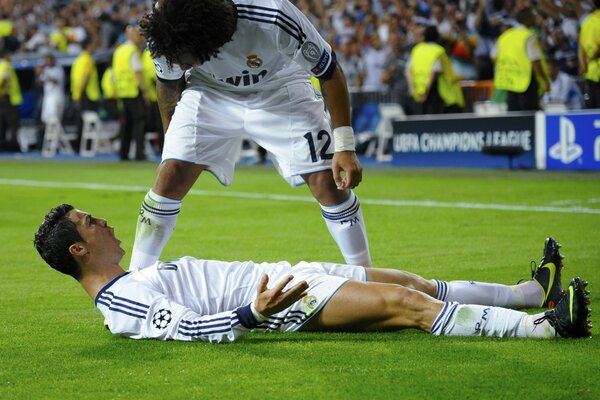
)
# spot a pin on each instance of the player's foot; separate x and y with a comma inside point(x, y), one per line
point(570, 317)
point(547, 274)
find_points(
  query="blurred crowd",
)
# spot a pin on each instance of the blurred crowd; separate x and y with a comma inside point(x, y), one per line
point(373, 39)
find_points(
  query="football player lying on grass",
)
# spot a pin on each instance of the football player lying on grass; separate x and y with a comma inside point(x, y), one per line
point(218, 301)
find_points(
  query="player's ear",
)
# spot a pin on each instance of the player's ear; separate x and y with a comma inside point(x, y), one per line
point(78, 249)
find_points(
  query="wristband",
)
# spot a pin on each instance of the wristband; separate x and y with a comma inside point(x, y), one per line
point(343, 139)
point(258, 316)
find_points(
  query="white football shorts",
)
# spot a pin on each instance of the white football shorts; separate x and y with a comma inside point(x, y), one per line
point(290, 122)
point(324, 280)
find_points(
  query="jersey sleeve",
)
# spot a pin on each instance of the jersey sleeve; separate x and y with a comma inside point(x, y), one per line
point(166, 73)
point(138, 312)
point(301, 41)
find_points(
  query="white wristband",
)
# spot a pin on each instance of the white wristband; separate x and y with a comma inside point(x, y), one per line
point(258, 316)
point(343, 139)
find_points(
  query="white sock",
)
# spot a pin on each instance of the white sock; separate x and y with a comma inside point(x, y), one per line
point(474, 320)
point(526, 294)
point(155, 225)
point(347, 227)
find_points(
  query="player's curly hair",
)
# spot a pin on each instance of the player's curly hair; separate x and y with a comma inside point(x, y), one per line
point(175, 27)
point(53, 238)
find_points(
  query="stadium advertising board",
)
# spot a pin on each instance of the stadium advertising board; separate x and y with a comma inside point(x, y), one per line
point(457, 141)
point(568, 141)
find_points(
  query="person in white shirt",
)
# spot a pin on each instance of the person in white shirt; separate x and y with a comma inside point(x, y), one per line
point(233, 69)
point(52, 76)
point(216, 301)
point(563, 89)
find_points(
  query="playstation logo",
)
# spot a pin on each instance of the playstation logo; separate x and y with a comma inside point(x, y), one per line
point(566, 150)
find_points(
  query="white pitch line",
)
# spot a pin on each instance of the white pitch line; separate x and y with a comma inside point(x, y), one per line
point(267, 196)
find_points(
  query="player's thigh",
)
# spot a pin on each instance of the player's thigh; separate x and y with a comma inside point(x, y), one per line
point(206, 129)
point(292, 125)
point(368, 306)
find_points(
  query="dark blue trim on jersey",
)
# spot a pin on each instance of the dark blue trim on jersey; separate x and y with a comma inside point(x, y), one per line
point(167, 81)
point(109, 284)
point(336, 216)
point(246, 317)
point(205, 327)
point(158, 211)
point(277, 17)
point(328, 74)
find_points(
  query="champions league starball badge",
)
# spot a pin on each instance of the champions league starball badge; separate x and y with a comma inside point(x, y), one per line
point(161, 318)
point(310, 51)
point(253, 61)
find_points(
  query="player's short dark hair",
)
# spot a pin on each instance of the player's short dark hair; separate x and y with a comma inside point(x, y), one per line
point(201, 28)
point(524, 15)
point(53, 238)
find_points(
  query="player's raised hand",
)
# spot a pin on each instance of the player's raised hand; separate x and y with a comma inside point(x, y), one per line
point(347, 163)
point(271, 301)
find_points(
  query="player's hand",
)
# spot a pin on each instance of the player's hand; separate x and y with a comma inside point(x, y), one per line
point(271, 301)
point(347, 171)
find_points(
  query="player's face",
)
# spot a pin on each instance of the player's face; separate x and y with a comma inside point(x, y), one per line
point(99, 237)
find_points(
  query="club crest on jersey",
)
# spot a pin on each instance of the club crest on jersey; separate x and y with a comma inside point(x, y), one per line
point(253, 61)
point(310, 51)
point(310, 302)
point(161, 318)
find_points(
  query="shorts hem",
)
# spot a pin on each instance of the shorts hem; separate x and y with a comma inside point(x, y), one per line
point(318, 310)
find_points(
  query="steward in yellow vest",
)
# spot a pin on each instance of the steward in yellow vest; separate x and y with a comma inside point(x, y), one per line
point(589, 56)
point(85, 85)
point(521, 69)
point(10, 99)
point(131, 90)
point(431, 79)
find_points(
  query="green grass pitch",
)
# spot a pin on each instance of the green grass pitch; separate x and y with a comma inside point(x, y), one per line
point(448, 224)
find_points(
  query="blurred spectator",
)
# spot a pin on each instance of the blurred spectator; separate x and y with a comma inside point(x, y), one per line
point(521, 69)
point(351, 63)
point(131, 91)
point(589, 56)
point(85, 85)
point(374, 56)
point(58, 38)
point(393, 71)
point(52, 77)
point(10, 99)
point(563, 89)
point(431, 79)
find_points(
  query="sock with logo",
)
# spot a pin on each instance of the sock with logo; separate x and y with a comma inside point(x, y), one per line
point(526, 294)
point(347, 227)
point(474, 320)
point(155, 225)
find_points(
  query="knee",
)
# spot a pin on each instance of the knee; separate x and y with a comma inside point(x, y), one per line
point(175, 178)
point(324, 189)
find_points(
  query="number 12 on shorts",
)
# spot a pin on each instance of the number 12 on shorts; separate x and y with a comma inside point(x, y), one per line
point(321, 136)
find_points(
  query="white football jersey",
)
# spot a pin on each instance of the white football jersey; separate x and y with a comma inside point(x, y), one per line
point(274, 45)
point(192, 299)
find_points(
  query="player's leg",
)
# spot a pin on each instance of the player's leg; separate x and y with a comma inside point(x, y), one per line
point(191, 145)
point(300, 144)
point(366, 306)
point(343, 216)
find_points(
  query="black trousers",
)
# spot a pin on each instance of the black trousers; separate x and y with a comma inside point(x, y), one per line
point(527, 101)
point(9, 124)
point(133, 121)
point(591, 94)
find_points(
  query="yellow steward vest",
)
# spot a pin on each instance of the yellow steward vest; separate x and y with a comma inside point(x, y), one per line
point(14, 90)
point(422, 57)
point(126, 84)
point(589, 40)
point(108, 84)
point(149, 74)
point(59, 41)
point(6, 28)
point(513, 68)
point(84, 64)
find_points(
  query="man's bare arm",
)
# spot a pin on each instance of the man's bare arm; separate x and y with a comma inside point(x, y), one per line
point(168, 95)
